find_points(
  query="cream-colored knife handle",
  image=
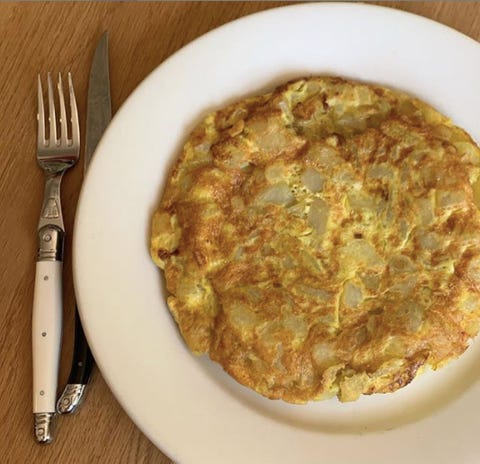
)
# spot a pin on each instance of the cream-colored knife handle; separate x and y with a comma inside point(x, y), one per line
point(46, 341)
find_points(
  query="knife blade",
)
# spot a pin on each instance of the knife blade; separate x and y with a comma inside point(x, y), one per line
point(99, 106)
point(99, 114)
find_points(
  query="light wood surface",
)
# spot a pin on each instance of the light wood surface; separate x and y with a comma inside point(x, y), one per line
point(60, 37)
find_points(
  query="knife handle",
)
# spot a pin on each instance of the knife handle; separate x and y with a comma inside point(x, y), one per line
point(82, 364)
point(46, 340)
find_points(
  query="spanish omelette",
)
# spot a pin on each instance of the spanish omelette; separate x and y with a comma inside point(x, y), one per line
point(323, 239)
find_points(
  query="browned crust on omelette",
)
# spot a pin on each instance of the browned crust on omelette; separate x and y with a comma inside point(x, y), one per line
point(323, 240)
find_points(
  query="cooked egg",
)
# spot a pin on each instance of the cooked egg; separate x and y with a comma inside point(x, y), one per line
point(323, 239)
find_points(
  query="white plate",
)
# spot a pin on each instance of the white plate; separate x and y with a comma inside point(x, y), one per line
point(188, 406)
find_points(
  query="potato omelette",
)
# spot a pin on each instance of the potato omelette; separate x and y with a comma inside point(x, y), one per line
point(323, 239)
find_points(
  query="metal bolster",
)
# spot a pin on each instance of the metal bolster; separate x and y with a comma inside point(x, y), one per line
point(43, 427)
point(50, 243)
point(71, 398)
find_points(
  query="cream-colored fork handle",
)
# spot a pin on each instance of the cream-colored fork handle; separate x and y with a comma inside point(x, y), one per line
point(46, 334)
point(47, 310)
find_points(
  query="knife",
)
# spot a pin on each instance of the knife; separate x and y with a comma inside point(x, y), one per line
point(99, 114)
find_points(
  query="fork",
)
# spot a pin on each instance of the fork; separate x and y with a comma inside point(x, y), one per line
point(54, 155)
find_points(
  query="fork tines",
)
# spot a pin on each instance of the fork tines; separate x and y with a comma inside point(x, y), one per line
point(53, 140)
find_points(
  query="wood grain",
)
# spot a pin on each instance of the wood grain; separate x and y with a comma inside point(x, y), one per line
point(37, 37)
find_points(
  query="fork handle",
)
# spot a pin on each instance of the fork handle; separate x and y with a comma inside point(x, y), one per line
point(46, 339)
point(47, 329)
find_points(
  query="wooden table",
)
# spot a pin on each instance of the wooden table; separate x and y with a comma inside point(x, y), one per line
point(59, 37)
